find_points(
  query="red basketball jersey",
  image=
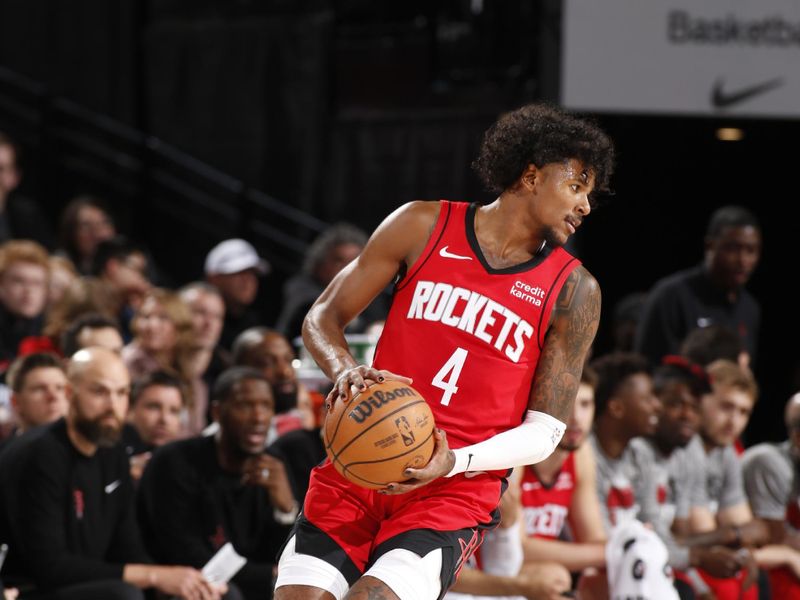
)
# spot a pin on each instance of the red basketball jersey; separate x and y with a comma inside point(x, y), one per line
point(469, 335)
point(545, 507)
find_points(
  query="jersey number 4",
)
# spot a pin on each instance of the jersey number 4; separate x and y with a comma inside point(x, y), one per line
point(448, 375)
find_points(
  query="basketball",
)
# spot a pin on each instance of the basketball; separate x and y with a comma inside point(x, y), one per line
point(378, 433)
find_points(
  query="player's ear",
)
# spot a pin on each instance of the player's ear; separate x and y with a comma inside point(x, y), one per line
point(529, 176)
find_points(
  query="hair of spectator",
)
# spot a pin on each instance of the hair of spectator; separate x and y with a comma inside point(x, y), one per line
point(245, 341)
point(180, 315)
point(539, 134)
point(612, 371)
point(730, 216)
point(199, 286)
point(727, 373)
point(589, 376)
point(93, 320)
point(84, 295)
point(704, 345)
point(692, 375)
point(28, 251)
point(117, 248)
point(69, 220)
point(157, 378)
point(336, 235)
point(223, 386)
point(19, 369)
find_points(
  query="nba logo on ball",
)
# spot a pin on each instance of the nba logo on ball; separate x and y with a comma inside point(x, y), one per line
point(379, 433)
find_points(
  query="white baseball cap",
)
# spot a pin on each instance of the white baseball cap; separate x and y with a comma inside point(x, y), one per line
point(234, 256)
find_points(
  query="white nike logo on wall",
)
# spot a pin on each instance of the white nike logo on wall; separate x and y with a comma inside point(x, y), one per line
point(112, 486)
point(445, 254)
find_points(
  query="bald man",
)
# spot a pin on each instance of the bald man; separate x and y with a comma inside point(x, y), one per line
point(67, 499)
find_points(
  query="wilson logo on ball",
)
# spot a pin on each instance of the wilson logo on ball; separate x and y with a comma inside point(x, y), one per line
point(378, 399)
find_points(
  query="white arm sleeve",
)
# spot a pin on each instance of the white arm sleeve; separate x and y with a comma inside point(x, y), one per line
point(530, 443)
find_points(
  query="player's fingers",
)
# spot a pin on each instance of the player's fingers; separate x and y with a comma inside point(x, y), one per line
point(384, 374)
point(396, 488)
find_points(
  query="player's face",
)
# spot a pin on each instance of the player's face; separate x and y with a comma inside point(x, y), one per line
point(580, 422)
point(561, 199)
point(733, 255)
point(245, 416)
point(680, 415)
point(42, 398)
point(642, 406)
point(23, 289)
point(157, 414)
point(100, 401)
point(724, 414)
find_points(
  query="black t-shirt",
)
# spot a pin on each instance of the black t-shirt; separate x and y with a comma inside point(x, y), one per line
point(688, 300)
point(68, 518)
point(190, 507)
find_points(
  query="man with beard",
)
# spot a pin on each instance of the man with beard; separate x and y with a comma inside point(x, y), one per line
point(67, 500)
point(270, 352)
point(198, 494)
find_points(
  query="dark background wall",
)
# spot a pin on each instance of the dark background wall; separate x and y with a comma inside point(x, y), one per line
point(347, 109)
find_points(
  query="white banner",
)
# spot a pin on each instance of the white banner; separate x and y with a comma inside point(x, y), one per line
point(709, 57)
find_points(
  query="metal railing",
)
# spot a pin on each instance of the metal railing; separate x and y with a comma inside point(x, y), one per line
point(176, 203)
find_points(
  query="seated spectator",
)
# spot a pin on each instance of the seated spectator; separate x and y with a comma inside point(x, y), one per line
point(123, 265)
point(38, 390)
point(559, 494)
point(154, 417)
point(85, 222)
point(270, 352)
point(723, 416)
point(91, 329)
point(67, 500)
point(20, 217)
point(200, 493)
point(625, 320)
point(62, 275)
point(234, 267)
point(24, 276)
point(626, 408)
point(772, 484)
point(208, 316)
point(164, 340)
point(332, 251)
point(680, 481)
point(86, 295)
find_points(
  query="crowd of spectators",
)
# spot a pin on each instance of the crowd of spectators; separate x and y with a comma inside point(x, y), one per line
point(145, 428)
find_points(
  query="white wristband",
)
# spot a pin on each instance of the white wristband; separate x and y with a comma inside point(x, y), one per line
point(531, 442)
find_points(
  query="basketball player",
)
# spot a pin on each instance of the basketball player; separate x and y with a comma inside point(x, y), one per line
point(492, 319)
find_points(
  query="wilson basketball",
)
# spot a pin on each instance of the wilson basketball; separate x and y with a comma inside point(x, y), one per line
point(379, 433)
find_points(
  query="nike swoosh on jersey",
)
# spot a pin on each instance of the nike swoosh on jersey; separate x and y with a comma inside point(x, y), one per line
point(445, 254)
point(112, 486)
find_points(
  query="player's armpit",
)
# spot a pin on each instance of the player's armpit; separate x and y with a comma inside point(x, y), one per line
point(573, 326)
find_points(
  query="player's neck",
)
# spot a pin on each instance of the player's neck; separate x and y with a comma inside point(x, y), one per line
point(505, 228)
point(610, 438)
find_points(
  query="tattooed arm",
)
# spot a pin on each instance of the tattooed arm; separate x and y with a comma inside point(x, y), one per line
point(573, 325)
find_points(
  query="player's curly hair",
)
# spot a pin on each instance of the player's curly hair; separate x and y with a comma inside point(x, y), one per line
point(540, 134)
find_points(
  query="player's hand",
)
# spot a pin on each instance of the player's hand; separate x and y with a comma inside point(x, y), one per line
point(719, 561)
point(441, 463)
point(270, 473)
point(748, 563)
point(357, 379)
point(543, 581)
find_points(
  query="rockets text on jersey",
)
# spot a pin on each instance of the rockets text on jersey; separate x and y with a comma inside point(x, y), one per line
point(545, 507)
